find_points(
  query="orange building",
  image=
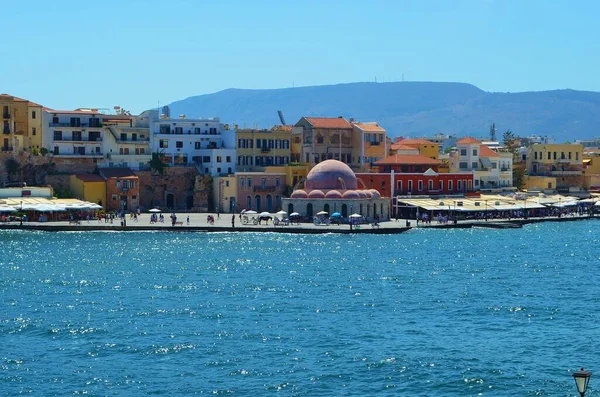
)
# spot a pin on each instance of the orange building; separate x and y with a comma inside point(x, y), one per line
point(122, 189)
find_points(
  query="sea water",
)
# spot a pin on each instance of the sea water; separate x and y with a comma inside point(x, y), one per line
point(425, 313)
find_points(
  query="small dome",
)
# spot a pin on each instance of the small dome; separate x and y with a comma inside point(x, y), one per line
point(301, 194)
point(376, 194)
point(361, 194)
point(318, 194)
point(331, 174)
point(333, 194)
point(350, 194)
point(368, 193)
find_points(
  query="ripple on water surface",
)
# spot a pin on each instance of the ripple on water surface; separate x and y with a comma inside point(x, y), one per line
point(428, 312)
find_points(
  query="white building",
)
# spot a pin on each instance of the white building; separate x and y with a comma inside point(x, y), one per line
point(205, 143)
point(109, 140)
point(492, 170)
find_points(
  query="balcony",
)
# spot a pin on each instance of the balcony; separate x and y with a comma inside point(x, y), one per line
point(81, 125)
point(82, 140)
point(504, 169)
point(566, 173)
point(265, 150)
point(7, 148)
point(6, 115)
point(264, 189)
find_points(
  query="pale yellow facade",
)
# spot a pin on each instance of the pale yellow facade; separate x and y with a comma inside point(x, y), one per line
point(543, 183)
point(426, 148)
point(369, 144)
point(294, 173)
point(21, 124)
point(564, 162)
point(257, 149)
point(90, 188)
point(224, 193)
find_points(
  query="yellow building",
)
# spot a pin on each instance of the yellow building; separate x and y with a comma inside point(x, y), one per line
point(21, 124)
point(257, 149)
point(426, 148)
point(224, 193)
point(293, 173)
point(369, 144)
point(591, 170)
point(89, 187)
point(563, 162)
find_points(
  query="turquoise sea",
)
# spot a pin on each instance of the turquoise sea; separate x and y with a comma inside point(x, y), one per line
point(468, 312)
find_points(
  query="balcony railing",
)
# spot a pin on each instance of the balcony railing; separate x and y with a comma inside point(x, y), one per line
point(265, 150)
point(566, 173)
point(81, 125)
point(71, 139)
point(7, 148)
point(6, 115)
point(265, 189)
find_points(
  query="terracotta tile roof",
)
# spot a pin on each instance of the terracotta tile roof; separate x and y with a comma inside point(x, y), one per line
point(369, 127)
point(74, 112)
point(400, 146)
point(467, 140)
point(17, 99)
point(89, 177)
point(416, 142)
point(328, 122)
point(117, 172)
point(407, 159)
point(485, 151)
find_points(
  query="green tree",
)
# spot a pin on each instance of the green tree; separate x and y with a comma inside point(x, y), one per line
point(156, 163)
point(511, 143)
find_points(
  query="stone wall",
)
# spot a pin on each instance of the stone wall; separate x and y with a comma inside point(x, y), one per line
point(180, 182)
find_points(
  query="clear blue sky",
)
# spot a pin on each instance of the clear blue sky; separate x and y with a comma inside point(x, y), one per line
point(134, 53)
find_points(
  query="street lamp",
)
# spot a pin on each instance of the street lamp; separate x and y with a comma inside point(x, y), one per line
point(582, 378)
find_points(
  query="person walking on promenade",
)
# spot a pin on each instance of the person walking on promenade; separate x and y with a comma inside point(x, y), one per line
point(233, 221)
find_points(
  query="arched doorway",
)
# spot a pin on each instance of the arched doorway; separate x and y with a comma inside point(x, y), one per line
point(257, 203)
point(277, 201)
point(344, 210)
point(309, 209)
point(189, 204)
point(290, 208)
point(170, 199)
point(269, 203)
point(326, 209)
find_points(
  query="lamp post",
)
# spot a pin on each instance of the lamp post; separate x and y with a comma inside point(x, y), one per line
point(582, 378)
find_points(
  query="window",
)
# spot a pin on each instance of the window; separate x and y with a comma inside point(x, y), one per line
point(258, 143)
point(33, 115)
point(263, 183)
point(474, 152)
point(249, 182)
point(114, 197)
point(441, 185)
point(569, 155)
point(219, 159)
point(33, 131)
point(242, 180)
point(399, 184)
point(163, 143)
point(410, 186)
point(463, 165)
point(179, 130)
point(75, 122)
point(577, 156)
point(459, 185)
point(463, 152)
point(206, 159)
point(420, 185)
point(197, 145)
point(430, 184)
point(535, 155)
point(228, 159)
point(226, 183)
point(450, 187)
point(474, 165)
point(58, 135)
point(179, 144)
point(554, 156)
point(277, 182)
point(549, 155)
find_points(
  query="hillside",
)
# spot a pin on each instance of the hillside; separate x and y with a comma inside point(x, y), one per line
point(409, 108)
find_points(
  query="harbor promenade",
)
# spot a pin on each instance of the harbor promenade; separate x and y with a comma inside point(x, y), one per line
point(198, 223)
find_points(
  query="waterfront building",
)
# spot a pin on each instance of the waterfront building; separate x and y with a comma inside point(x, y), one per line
point(425, 148)
point(88, 187)
point(259, 191)
point(325, 138)
point(332, 186)
point(21, 124)
point(257, 149)
point(122, 189)
point(369, 144)
point(126, 143)
point(224, 193)
point(204, 143)
point(492, 170)
point(553, 167)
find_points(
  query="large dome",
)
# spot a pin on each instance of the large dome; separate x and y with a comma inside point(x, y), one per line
point(330, 174)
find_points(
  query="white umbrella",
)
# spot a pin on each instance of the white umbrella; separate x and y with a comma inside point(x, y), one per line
point(265, 214)
point(322, 213)
point(295, 214)
point(154, 210)
point(7, 209)
point(251, 212)
point(95, 206)
point(282, 212)
point(355, 215)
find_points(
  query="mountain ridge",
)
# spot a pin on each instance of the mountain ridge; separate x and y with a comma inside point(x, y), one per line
point(409, 108)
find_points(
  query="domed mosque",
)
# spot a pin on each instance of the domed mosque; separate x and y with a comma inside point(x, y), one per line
point(331, 186)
